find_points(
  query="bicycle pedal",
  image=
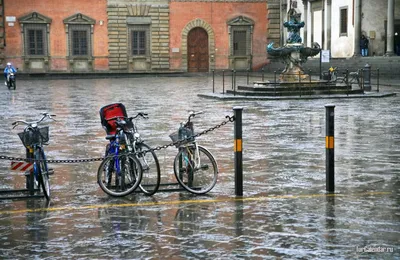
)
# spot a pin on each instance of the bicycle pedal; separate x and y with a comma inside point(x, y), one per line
point(50, 171)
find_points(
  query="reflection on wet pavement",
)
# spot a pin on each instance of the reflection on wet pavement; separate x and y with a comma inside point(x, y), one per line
point(284, 154)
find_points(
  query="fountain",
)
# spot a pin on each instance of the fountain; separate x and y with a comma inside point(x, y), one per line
point(293, 82)
point(293, 54)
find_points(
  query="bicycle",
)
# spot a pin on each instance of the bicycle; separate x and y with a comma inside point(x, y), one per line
point(349, 78)
point(195, 167)
point(119, 164)
point(151, 168)
point(151, 176)
point(33, 138)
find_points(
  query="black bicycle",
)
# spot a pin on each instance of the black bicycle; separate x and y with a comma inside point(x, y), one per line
point(34, 137)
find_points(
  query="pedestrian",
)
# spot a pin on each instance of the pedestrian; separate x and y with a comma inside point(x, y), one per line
point(364, 45)
point(8, 69)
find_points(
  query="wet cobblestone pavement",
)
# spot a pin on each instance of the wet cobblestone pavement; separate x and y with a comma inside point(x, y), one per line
point(284, 213)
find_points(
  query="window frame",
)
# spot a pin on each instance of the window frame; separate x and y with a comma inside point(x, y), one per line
point(37, 22)
point(139, 28)
point(79, 22)
point(236, 24)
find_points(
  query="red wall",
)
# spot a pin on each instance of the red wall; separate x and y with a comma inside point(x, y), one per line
point(217, 15)
point(57, 10)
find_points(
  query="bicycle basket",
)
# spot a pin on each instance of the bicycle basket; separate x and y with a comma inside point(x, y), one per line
point(35, 136)
point(182, 134)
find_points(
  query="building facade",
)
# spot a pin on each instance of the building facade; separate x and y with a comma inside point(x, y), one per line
point(137, 35)
point(337, 25)
point(46, 35)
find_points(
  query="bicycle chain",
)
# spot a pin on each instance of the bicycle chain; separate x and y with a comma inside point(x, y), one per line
point(157, 148)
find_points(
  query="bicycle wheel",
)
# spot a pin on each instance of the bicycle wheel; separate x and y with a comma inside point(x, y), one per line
point(42, 172)
point(196, 173)
point(119, 176)
point(151, 170)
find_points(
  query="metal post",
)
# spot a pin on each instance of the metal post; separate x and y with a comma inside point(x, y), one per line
point(232, 78)
point(262, 74)
point(275, 83)
point(237, 147)
point(309, 73)
point(377, 89)
point(234, 82)
point(362, 79)
point(248, 71)
point(347, 81)
point(330, 151)
point(299, 83)
point(213, 80)
point(223, 81)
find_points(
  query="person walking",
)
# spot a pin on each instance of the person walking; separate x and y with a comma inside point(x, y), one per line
point(364, 45)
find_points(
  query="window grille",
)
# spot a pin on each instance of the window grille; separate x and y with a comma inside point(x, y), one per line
point(35, 39)
point(239, 43)
point(79, 43)
point(343, 21)
point(138, 42)
point(79, 40)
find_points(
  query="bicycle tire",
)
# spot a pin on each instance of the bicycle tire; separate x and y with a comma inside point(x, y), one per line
point(127, 182)
point(151, 170)
point(200, 180)
point(43, 174)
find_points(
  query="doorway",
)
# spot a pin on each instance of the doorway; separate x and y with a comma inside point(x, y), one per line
point(197, 50)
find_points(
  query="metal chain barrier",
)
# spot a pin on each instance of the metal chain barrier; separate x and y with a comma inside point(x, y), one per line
point(176, 143)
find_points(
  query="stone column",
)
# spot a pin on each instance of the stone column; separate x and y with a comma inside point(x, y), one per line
point(357, 27)
point(328, 23)
point(305, 16)
point(390, 29)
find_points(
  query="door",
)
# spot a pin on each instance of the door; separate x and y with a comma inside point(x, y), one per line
point(198, 50)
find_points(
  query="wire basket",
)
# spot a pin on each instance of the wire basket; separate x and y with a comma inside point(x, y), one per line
point(182, 134)
point(37, 136)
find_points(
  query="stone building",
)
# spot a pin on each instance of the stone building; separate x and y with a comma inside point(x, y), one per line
point(47, 35)
point(137, 35)
point(337, 25)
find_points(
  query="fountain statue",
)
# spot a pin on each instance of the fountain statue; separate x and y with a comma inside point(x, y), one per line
point(293, 54)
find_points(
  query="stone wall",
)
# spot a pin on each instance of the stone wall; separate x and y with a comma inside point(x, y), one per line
point(119, 12)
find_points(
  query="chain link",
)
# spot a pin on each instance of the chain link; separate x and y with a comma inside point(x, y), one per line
point(157, 148)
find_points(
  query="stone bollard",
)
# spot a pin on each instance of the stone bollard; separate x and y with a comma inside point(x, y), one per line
point(367, 77)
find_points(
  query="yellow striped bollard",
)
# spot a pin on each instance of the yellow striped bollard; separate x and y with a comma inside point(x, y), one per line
point(330, 148)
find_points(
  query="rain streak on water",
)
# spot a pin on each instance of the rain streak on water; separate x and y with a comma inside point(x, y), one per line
point(283, 153)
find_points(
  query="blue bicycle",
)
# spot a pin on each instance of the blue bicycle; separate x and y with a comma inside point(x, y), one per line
point(34, 137)
point(120, 173)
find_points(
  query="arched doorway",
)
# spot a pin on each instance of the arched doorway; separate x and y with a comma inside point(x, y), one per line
point(197, 50)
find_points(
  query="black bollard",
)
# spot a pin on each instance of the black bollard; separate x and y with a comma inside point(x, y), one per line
point(262, 78)
point(330, 148)
point(213, 81)
point(377, 87)
point(232, 79)
point(234, 82)
point(223, 82)
point(248, 71)
point(367, 77)
point(275, 83)
point(237, 147)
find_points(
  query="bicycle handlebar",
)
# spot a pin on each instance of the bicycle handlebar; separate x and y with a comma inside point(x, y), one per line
point(32, 124)
point(143, 115)
point(193, 114)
